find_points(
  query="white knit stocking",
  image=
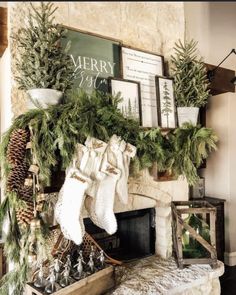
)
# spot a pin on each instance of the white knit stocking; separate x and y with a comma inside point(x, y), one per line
point(130, 152)
point(91, 162)
point(101, 207)
point(69, 205)
point(115, 151)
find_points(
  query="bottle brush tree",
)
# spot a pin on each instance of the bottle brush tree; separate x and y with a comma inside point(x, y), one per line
point(43, 61)
point(191, 86)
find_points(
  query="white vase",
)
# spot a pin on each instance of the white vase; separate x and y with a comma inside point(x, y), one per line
point(43, 98)
point(187, 114)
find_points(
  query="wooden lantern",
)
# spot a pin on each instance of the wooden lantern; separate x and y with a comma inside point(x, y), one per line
point(179, 224)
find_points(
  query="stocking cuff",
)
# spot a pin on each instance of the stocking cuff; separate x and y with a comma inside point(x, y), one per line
point(130, 150)
point(122, 146)
point(95, 144)
point(110, 170)
point(81, 147)
point(116, 143)
point(76, 174)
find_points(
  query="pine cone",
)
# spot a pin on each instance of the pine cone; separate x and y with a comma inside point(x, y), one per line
point(26, 214)
point(17, 146)
point(17, 177)
point(26, 193)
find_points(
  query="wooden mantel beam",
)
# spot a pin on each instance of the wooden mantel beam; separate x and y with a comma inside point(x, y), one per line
point(221, 82)
point(3, 29)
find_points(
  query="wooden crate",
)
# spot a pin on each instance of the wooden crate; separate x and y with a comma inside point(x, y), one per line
point(195, 207)
point(95, 284)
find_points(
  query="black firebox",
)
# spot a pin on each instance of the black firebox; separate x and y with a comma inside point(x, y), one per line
point(135, 237)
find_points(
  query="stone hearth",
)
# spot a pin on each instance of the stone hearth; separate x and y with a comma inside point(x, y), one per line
point(154, 276)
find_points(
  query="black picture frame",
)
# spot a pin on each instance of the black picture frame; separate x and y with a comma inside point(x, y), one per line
point(166, 107)
point(130, 92)
point(142, 66)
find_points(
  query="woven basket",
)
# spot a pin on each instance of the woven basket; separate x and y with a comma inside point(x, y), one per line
point(88, 242)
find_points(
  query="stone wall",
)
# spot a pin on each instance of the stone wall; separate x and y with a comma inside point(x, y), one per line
point(153, 26)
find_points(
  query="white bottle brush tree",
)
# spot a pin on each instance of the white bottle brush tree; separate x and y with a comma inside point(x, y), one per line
point(43, 61)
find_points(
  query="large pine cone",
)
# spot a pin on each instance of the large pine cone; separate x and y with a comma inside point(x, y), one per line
point(16, 149)
point(25, 193)
point(16, 177)
point(26, 214)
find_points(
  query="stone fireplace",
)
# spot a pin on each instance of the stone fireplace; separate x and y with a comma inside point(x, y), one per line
point(159, 274)
point(144, 193)
point(134, 239)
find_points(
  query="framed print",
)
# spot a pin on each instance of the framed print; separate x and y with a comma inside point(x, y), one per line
point(165, 102)
point(129, 91)
point(94, 57)
point(142, 66)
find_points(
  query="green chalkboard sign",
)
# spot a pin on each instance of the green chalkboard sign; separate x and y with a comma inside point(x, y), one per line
point(95, 58)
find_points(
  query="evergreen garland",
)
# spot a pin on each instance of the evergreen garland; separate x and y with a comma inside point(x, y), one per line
point(191, 145)
point(189, 73)
point(150, 149)
point(57, 130)
point(43, 62)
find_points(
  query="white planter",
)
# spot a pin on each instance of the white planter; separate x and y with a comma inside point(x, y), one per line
point(187, 114)
point(43, 97)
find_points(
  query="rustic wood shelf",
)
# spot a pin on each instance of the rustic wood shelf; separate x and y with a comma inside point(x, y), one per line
point(221, 82)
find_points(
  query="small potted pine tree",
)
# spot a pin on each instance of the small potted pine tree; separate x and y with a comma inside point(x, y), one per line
point(191, 86)
point(44, 67)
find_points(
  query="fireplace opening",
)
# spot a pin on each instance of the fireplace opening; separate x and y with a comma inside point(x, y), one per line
point(135, 237)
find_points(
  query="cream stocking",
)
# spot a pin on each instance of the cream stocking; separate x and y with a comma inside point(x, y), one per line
point(115, 157)
point(69, 205)
point(91, 162)
point(130, 152)
point(101, 207)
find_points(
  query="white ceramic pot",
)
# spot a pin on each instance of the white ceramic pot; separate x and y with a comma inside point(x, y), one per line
point(43, 97)
point(187, 114)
